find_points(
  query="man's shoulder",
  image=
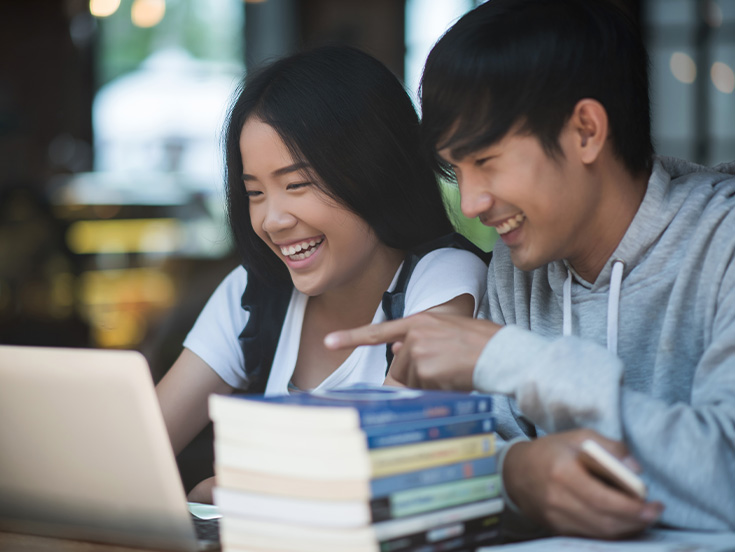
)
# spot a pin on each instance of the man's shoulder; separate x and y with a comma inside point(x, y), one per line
point(700, 199)
point(716, 188)
point(720, 179)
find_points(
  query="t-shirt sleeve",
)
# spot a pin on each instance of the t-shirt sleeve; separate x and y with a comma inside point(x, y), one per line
point(442, 275)
point(215, 335)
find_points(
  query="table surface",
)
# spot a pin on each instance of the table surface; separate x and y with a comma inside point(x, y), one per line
point(652, 541)
point(15, 542)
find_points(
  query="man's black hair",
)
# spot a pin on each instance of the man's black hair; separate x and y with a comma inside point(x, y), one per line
point(526, 64)
point(345, 115)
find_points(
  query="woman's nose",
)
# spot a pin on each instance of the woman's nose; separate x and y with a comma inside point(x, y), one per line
point(278, 216)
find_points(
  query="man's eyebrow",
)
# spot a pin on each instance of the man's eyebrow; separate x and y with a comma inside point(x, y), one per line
point(445, 155)
point(280, 172)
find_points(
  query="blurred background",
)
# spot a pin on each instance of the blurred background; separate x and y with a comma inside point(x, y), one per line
point(112, 228)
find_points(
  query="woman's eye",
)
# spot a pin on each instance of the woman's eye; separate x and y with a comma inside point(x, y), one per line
point(298, 185)
point(252, 193)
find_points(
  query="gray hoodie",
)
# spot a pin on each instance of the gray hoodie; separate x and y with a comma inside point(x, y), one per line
point(644, 354)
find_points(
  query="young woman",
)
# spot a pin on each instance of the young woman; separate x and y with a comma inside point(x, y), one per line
point(327, 192)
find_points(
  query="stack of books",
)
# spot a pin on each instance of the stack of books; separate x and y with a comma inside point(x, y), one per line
point(359, 469)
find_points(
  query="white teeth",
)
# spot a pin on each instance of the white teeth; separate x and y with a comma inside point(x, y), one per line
point(300, 251)
point(510, 224)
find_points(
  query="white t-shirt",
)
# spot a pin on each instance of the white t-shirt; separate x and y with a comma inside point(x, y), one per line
point(438, 277)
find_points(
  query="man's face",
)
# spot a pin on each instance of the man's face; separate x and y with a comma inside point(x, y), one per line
point(540, 206)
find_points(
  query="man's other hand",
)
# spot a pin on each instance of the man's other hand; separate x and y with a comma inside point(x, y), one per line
point(547, 481)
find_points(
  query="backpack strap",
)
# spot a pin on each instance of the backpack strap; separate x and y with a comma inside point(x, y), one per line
point(267, 305)
point(394, 302)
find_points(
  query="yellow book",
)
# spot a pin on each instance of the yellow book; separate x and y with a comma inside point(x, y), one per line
point(400, 459)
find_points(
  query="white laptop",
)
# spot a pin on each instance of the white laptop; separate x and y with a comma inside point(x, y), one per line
point(84, 451)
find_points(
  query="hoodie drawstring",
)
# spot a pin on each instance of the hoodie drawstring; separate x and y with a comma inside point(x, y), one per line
point(567, 296)
point(613, 305)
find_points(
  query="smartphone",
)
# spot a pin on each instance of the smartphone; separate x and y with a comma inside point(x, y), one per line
point(611, 470)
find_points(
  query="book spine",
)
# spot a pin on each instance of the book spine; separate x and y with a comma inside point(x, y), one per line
point(428, 430)
point(433, 476)
point(392, 460)
point(391, 412)
point(479, 530)
point(427, 499)
point(238, 534)
point(394, 528)
point(358, 442)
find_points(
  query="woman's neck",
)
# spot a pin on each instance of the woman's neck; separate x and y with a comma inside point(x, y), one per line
point(346, 307)
point(355, 304)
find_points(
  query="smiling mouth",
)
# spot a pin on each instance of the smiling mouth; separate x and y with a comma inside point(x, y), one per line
point(510, 224)
point(301, 251)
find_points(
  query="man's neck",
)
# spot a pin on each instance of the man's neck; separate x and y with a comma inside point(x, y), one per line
point(622, 196)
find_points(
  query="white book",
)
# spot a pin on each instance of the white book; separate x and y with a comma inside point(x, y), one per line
point(345, 515)
point(325, 513)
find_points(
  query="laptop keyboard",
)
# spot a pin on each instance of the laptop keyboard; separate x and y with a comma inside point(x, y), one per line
point(206, 529)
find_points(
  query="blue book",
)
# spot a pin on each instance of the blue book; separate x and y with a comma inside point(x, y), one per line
point(361, 489)
point(385, 486)
point(349, 408)
point(406, 433)
point(245, 437)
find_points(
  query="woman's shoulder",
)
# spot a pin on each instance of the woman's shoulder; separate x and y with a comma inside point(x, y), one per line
point(441, 275)
point(236, 280)
point(228, 293)
point(453, 259)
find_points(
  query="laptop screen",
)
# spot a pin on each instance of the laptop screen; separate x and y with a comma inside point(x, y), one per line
point(84, 451)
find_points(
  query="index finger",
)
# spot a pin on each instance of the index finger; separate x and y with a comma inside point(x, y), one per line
point(372, 334)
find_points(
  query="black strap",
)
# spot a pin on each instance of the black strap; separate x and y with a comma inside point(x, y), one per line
point(267, 305)
point(394, 302)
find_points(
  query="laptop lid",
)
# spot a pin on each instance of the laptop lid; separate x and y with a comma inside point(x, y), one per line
point(84, 452)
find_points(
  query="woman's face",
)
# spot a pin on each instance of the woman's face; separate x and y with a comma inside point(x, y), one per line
point(324, 246)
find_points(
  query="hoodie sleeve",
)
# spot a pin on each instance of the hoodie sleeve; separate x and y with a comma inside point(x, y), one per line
point(687, 450)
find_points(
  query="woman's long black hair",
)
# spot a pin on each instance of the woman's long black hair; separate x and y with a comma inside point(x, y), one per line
point(349, 118)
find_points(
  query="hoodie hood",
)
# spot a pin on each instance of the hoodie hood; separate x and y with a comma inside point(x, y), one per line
point(674, 189)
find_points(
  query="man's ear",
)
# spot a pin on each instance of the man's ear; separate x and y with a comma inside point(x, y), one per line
point(590, 126)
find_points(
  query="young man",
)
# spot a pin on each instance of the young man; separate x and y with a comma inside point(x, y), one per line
point(611, 293)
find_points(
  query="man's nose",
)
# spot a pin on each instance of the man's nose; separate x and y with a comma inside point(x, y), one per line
point(474, 197)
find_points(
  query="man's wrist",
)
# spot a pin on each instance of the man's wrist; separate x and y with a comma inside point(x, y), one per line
point(505, 465)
